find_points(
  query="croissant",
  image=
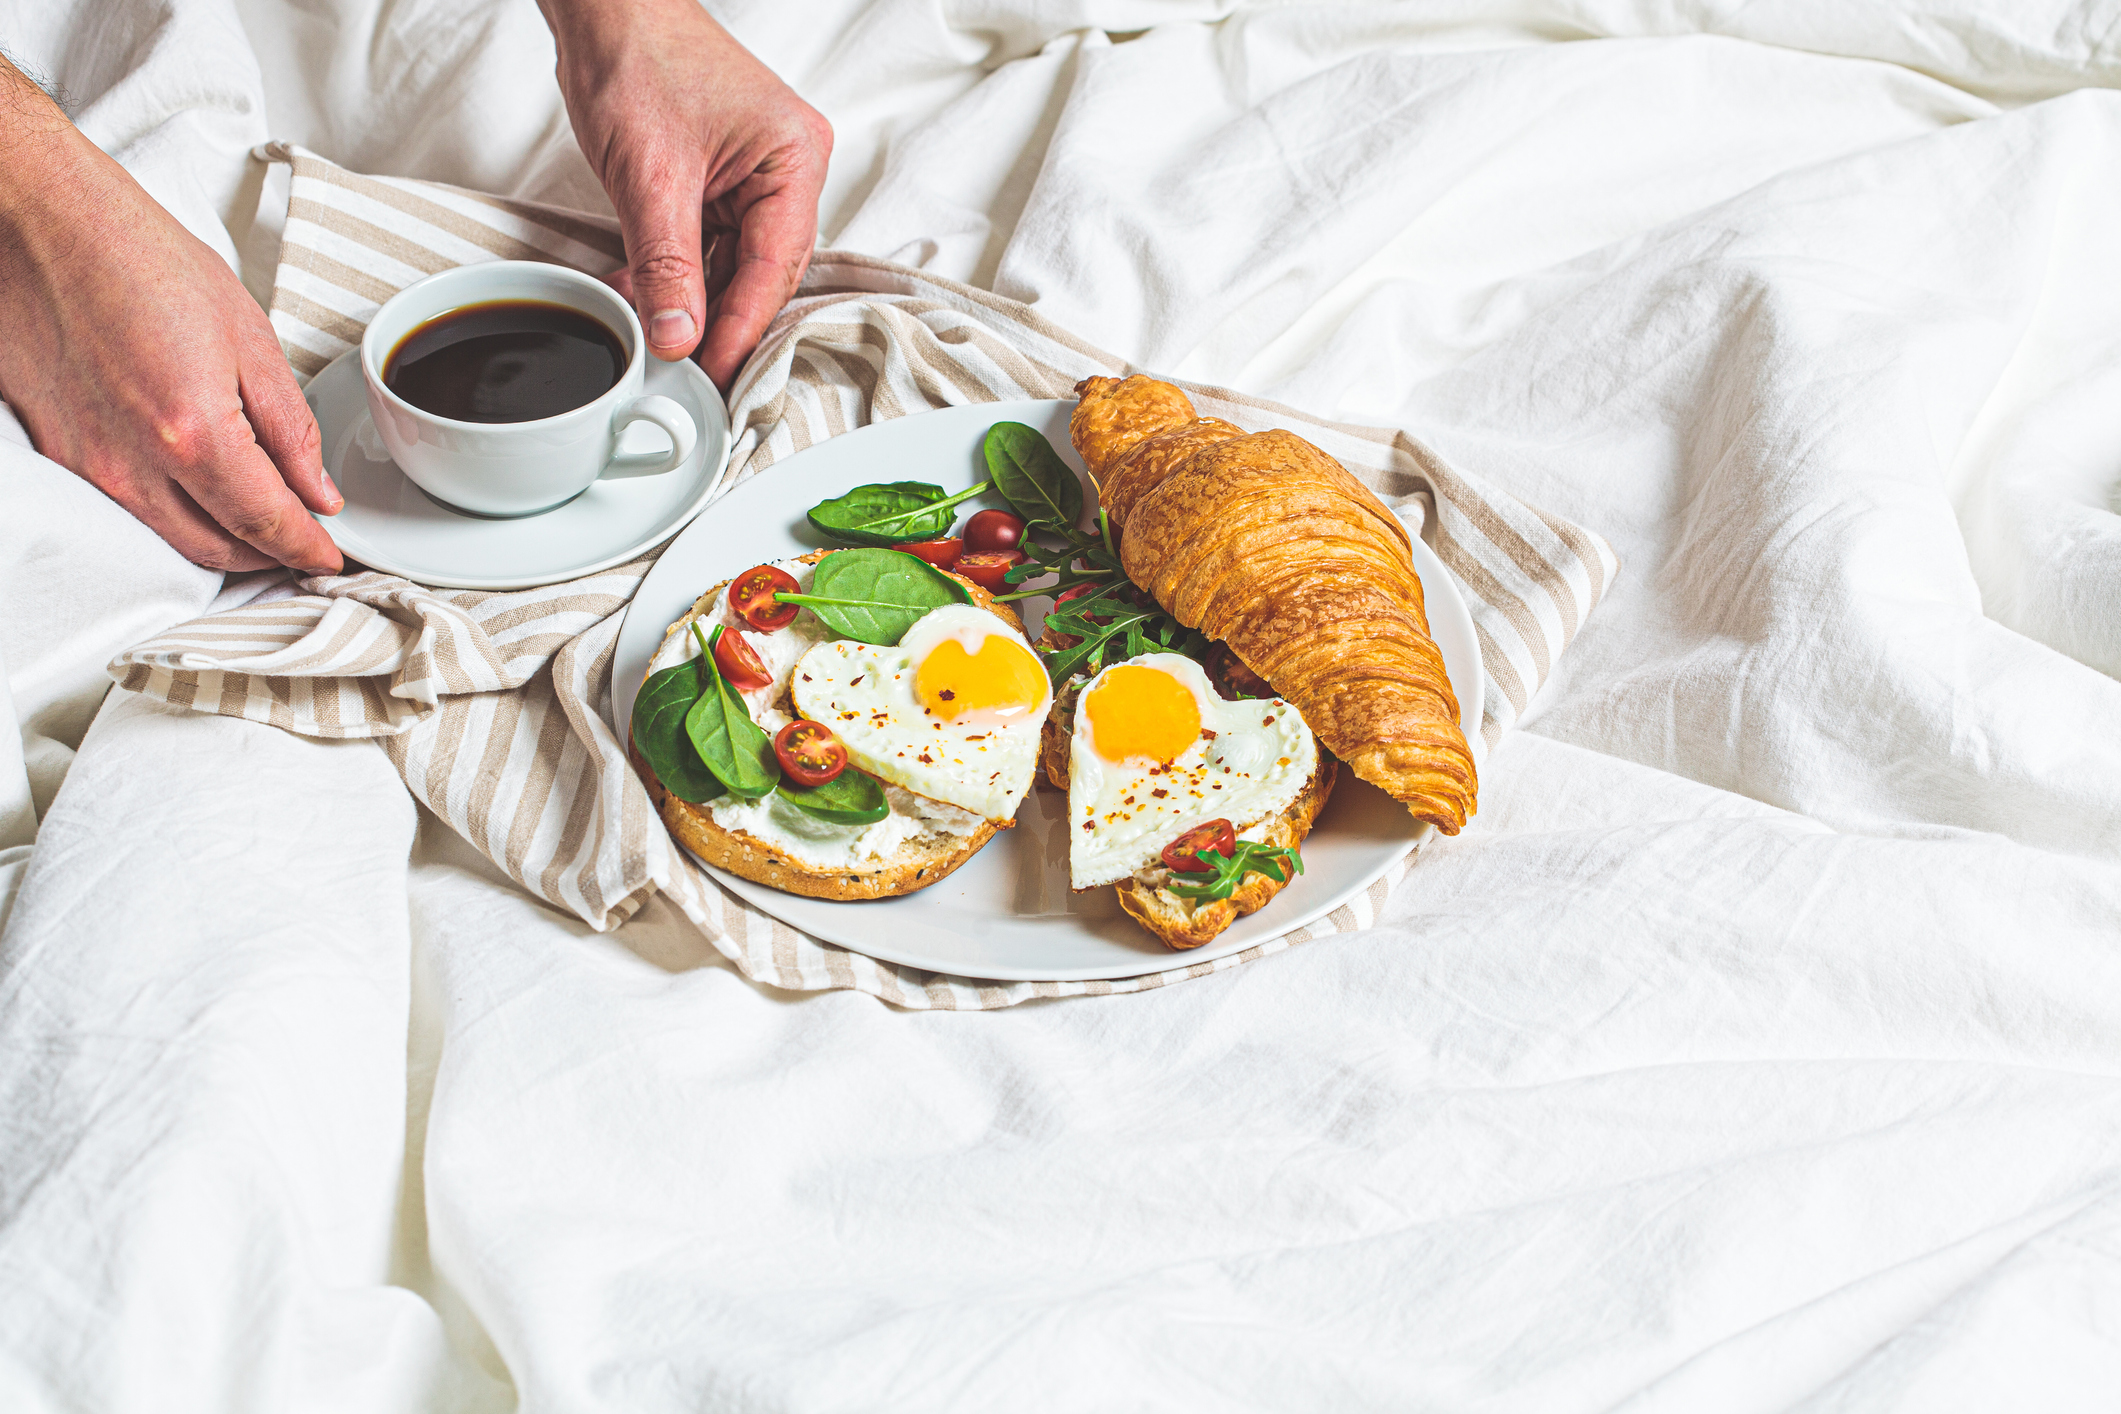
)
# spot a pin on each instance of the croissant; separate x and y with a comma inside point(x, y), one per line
point(1266, 543)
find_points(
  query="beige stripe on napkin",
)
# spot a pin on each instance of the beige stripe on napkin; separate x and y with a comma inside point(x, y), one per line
point(521, 761)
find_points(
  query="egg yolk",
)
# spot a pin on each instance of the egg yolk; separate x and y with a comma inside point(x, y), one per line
point(1001, 677)
point(1139, 711)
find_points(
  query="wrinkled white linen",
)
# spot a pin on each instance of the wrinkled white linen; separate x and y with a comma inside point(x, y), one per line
point(1756, 1048)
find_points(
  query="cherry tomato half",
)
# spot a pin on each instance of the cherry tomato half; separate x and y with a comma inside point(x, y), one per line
point(1078, 592)
point(940, 553)
point(994, 530)
point(809, 753)
point(1233, 680)
point(751, 595)
point(739, 662)
point(1216, 836)
point(986, 568)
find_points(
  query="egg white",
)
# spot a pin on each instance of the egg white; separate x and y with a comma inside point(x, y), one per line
point(979, 761)
point(1122, 814)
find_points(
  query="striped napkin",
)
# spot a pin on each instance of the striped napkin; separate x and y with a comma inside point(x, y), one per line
point(495, 707)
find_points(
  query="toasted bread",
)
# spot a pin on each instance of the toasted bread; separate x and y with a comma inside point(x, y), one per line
point(915, 864)
point(1184, 923)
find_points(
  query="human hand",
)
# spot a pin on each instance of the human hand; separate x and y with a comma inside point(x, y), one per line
point(713, 164)
point(136, 359)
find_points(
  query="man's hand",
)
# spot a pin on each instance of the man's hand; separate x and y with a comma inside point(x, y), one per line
point(138, 361)
point(713, 164)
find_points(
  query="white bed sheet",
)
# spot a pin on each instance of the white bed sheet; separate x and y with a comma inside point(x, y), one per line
point(1755, 1049)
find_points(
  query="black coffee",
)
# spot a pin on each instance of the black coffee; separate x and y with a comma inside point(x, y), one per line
point(507, 361)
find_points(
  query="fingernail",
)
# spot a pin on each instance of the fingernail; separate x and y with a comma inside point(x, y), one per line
point(332, 497)
point(671, 327)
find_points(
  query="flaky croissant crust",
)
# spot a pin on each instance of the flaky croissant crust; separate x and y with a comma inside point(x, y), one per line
point(1266, 543)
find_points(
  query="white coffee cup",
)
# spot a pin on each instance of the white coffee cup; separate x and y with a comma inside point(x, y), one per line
point(508, 469)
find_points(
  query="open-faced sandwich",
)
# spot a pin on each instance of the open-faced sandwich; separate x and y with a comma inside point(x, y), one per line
point(1190, 798)
point(852, 724)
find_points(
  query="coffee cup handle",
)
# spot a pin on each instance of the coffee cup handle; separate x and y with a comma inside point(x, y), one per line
point(676, 423)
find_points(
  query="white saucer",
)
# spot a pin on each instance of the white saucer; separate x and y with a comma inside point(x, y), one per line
point(1008, 912)
point(390, 524)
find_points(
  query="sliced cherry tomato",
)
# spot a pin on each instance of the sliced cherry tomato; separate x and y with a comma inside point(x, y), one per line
point(1233, 680)
point(986, 568)
point(1215, 837)
point(809, 753)
point(994, 530)
point(940, 553)
point(751, 595)
point(739, 662)
point(1082, 591)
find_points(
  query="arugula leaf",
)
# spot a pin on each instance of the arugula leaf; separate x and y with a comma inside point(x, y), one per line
point(850, 798)
point(890, 513)
point(719, 725)
point(875, 595)
point(1110, 629)
point(1230, 871)
point(659, 734)
point(1033, 478)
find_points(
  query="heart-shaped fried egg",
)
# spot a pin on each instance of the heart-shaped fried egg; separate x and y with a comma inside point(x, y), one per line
point(952, 713)
point(1155, 752)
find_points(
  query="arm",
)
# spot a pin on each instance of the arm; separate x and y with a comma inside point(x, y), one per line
point(714, 166)
point(136, 360)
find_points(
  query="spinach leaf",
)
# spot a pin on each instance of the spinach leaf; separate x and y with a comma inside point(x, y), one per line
point(850, 798)
point(659, 734)
point(1230, 871)
point(1031, 475)
point(875, 595)
point(734, 747)
point(889, 513)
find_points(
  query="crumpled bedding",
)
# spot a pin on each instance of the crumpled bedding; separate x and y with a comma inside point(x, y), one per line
point(1756, 1048)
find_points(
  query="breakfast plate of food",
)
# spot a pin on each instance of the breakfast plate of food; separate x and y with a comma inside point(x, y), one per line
point(1051, 690)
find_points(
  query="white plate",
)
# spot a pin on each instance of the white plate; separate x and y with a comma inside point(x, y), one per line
point(1007, 913)
point(390, 524)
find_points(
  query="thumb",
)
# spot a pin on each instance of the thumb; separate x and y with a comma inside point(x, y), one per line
point(663, 262)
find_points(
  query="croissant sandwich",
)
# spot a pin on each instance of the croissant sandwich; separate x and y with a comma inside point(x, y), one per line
point(1267, 544)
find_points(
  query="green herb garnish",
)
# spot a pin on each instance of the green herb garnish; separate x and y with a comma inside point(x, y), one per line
point(1112, 629)
point(659, 715)
point(875, 595)
point(1230, 870)
point(719, 726)
point(890, 513)
point(850, 798)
